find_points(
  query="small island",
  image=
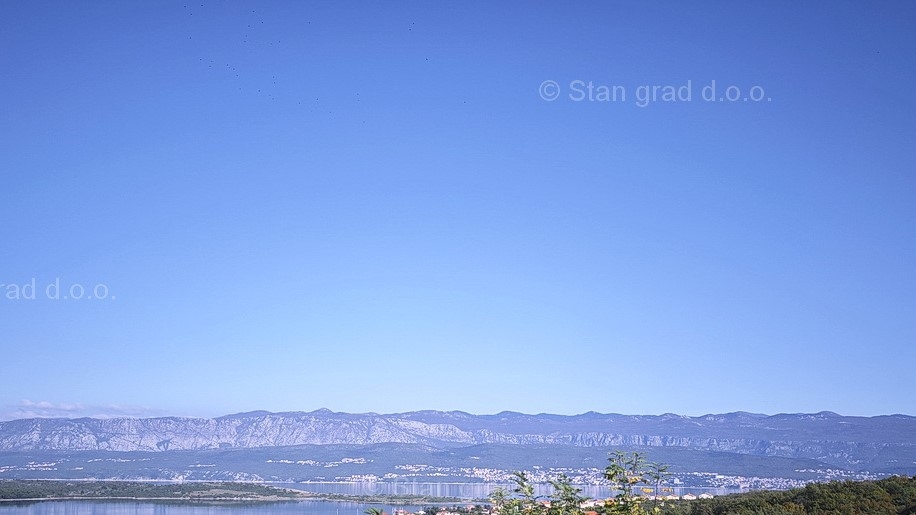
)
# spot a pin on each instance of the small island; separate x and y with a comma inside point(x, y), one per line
point(42, 490)
point(203, 492)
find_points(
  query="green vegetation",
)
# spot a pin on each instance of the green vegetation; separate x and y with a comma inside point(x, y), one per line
point(565, 499)
point(462, 509)
point(194, 492)
point(629, 474)
point(35, 489)
point(637, 483)
point(891, 496)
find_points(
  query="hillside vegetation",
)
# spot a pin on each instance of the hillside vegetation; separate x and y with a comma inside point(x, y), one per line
point(19, 489)
point(891, 496)
point(633, 477)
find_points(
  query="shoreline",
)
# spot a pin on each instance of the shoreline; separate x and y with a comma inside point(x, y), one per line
point(176, 499)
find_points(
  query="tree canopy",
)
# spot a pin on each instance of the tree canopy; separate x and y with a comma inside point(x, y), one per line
point(631, 475)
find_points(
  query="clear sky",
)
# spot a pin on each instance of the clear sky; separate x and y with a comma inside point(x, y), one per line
point(387, 207)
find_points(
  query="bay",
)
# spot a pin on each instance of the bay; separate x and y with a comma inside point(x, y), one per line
point(465, 491)
point(88, 507)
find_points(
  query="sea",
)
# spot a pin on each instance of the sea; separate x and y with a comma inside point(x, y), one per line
point(466, 492)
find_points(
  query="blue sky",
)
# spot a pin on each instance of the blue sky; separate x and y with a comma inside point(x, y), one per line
point(372, 207)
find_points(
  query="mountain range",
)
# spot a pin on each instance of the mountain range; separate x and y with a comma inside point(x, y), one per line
point(882, 444)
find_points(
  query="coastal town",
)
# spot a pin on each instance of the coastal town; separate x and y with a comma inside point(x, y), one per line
point(479, 483)
point(416, 479)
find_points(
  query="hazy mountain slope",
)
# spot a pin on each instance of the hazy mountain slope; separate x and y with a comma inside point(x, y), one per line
point(848, 442)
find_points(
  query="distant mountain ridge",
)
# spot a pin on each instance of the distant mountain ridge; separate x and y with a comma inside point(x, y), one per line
point(850, 442)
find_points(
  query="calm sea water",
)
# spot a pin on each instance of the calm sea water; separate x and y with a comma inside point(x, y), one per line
point(457, 490)
point(154, 508)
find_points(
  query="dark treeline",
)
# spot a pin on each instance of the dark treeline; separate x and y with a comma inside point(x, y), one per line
point(35, 489)
point(891, 496)
point(19, 489)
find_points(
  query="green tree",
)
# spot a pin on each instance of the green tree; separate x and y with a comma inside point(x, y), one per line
point(566, 499)
point(372, 510)
point(522, 502)
point(499, 498)
point(526, 503)
point(626, 472)
point(657, 473)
